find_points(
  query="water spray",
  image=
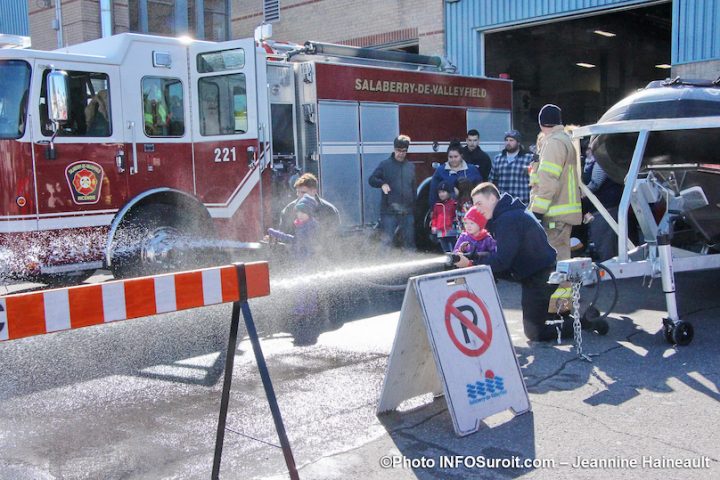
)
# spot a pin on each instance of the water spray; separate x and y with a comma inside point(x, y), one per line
point(360, 274)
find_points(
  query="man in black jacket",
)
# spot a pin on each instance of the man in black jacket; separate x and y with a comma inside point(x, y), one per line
point(524, 254)
point(395, 176)
point(473, 154)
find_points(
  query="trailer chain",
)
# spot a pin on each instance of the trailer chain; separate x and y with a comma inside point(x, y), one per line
point(577, 326)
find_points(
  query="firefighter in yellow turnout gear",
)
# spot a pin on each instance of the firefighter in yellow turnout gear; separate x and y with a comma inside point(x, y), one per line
point(554, 191)
point(155, 110)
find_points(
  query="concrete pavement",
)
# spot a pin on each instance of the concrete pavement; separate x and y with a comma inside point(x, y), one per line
point(139, 399)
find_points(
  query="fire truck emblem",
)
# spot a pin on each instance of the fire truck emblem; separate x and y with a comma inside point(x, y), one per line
point(85, 180)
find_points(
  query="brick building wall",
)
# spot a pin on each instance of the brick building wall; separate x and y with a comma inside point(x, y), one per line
point(362, 23)
point(40, 21)
point(81, 21)
point(366, 23)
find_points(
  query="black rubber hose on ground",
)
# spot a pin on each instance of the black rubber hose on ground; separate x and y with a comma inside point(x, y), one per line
point(598, 267)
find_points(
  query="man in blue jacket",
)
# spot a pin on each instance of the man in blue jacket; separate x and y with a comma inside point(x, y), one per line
point(523, 254)
point(395, 176)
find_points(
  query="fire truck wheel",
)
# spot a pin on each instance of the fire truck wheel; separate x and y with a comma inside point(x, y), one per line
point(156, 238)
point(424, 240)
point(65, 279)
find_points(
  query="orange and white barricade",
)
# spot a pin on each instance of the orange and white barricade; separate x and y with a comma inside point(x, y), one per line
point(38, 313)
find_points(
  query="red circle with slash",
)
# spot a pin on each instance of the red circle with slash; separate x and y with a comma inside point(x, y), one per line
point(453, 310)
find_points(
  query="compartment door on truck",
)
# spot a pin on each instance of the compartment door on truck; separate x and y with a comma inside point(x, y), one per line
point(379, 126)
point(339, 171)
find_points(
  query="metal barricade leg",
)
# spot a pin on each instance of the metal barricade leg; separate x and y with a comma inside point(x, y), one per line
point(243, 306)
point(227, 382)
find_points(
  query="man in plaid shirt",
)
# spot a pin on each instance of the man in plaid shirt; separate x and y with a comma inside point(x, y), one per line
point(510, 168)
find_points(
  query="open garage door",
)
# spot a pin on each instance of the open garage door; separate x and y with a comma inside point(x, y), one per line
point(584, 65)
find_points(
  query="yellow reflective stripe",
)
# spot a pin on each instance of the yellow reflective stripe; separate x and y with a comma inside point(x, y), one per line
point(542, 203)
point(565, 209)
point(562, 292)
point(551, 168)
point(572, 186)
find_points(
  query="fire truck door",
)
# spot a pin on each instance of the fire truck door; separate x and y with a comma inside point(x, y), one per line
point(225, 129)
point(156, 104)
point(87, 173)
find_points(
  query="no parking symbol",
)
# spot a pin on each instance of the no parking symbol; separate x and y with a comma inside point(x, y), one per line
point(471, 327)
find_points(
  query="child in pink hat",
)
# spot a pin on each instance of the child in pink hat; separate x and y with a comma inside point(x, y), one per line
point(474, 240)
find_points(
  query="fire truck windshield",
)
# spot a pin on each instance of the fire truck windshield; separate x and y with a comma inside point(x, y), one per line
point(14, 85)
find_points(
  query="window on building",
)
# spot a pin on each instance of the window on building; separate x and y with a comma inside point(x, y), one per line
point(201, 19)
point(213, 19)
point(89, 113)
point(223, 105)
point(163, 110)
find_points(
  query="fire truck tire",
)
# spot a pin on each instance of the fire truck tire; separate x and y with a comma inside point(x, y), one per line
point(58, 280)
point(151, 238)
point(423, 237)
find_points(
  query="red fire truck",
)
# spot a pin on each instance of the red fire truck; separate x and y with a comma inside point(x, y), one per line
point(113, 149)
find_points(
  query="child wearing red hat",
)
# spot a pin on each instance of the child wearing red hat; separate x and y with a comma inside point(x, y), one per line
point(475, 240)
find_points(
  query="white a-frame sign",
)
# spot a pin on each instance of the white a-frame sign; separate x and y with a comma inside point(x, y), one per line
point(474, 361)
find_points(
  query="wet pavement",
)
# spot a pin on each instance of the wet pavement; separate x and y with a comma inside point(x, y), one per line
point(140, 399)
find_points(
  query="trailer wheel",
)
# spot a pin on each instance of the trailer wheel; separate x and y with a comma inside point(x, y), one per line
point(683, 333)
point(153, 239)
point(667, 330)
point(601, 326)
point(591, 314)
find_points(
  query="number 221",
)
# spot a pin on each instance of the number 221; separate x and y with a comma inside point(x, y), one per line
point(225, 154)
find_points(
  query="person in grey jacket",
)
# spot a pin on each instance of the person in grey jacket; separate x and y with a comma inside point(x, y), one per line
point(396, 177)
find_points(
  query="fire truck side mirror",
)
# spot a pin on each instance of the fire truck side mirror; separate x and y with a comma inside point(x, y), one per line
point(57, 95)
point(250, 156)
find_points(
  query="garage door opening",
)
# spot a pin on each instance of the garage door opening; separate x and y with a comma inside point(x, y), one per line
point(583, 65)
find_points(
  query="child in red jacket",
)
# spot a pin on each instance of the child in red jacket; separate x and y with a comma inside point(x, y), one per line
point(442, 221)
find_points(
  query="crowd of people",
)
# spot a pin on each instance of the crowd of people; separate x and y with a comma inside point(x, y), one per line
point(515, 212)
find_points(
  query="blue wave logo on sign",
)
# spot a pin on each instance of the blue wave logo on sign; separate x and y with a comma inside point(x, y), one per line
point(484, 390)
